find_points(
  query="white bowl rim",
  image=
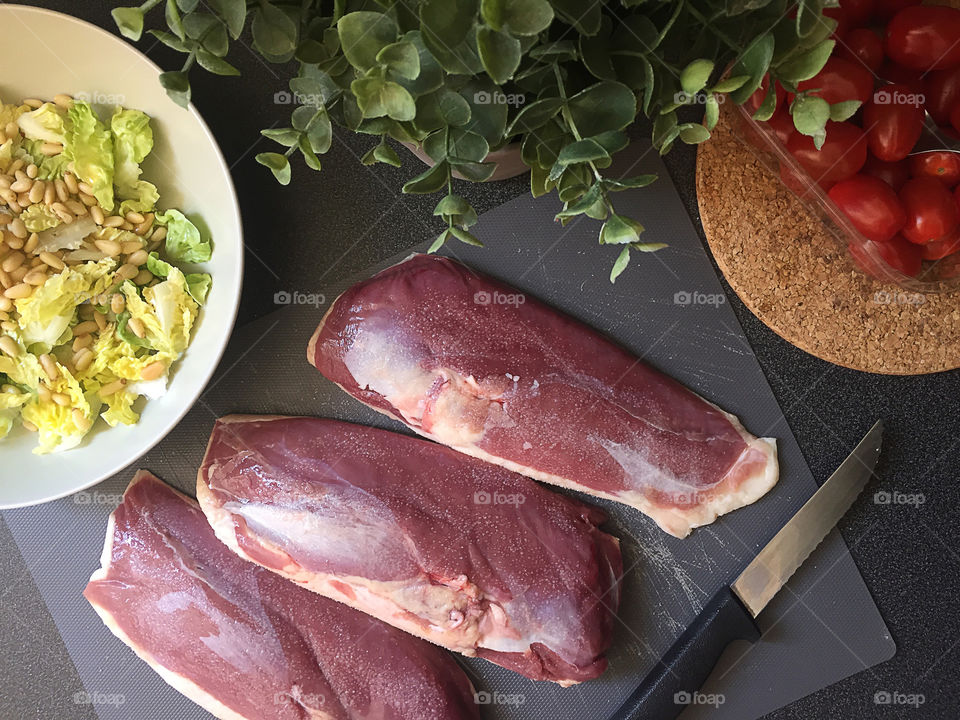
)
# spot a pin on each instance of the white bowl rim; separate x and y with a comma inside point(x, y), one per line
point(235, 300)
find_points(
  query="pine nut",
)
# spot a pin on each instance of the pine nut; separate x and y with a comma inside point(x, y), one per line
point(5, 218)
point(70, 180)
point(49, 366)
point(9, 325)
point(136, 327)
point(44, 392)
point(35, 277)
point(101, 321)
point(9, 346)
point(83, 359)
point(64, 101)
point(52, 260)
point(23, 200)
point(97, 214)
point(153, 371)
point(88, 200)
point(18, 228)
point(143, 277)
point(50, 149)
point(3, 137)
point(113, 221)
point(86, 310)
point(6, 304)
point(12, 261)
point(34, 103)
point(114, 387)
point(159, 234)
point(108, 247)
point(19, 291)
point(15, 243)
point(32, 171)
point(61, 399)
point(80, 420)
point(137, 258)
point(85, 327)
point(76, 207)
point(82, 341)
point(49, 194)
point(127, 271)
point(5, 279)
point(84, 188)
point(23, 184)
point(117, 303)
point(31, 245)
point(127, 225)
point(144, 227)
point(36, 192)
point(17, 275)
point(62, 192)
point(130, 246)
point(135, 217)
point(17, 164)
point(29, 426)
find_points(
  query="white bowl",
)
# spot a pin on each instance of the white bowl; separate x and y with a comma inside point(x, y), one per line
point(43, 53)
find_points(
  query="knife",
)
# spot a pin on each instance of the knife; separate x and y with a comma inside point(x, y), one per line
point(731, 614)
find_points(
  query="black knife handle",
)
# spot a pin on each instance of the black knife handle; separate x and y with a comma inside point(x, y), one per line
point(668, 688)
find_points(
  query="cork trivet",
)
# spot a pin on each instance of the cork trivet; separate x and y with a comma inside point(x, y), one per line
point(797, 279)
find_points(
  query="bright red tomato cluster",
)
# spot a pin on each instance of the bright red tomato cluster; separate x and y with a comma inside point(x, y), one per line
point(901, 60)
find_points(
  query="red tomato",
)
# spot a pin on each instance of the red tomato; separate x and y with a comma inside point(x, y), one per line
point(894, 174)
point(944, 166)
point(886, 9)
point(863, 47)
point(955, 118)
point(896, 252)
point(842, 18)
point(939, 249)
point(893, 73)
point(941, 90)
point(858, 12)
point(931, 210)
point(781, 122)
point(925, 37)
point(843, 153)
point(795, 182)
point(840, 80)
point(871, 205)
point(893, 120)
point(754, 102)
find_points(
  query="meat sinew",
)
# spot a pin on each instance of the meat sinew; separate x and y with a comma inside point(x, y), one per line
point(462, 553)
point(472, 363)
point(246, 644)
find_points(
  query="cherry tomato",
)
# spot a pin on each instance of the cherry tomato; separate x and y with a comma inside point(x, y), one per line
point(941, 90)
point(843, 153)
point(842, 18)
point(894, 121)
point(893, 73)
point(798, 184)
point(781, 122)
point(896, 252)
point(886, 9)
point(925, 37)
point(858, 12)
point(863, 47)
point(955, 118)
point(943, 166)
point(931, 210)
point(939, 249)
point(894, 174)
point(840, 80)
point(871, 205)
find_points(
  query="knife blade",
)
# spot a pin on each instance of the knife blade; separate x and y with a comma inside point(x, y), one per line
point(730, 615)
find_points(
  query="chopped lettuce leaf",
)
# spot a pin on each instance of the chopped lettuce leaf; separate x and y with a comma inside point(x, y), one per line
point(120, 409)
point(184, 243)
point(39, 217)
point(143, 198)
point(90, 148)
point(68, 236)
point(47, 123)
point(46, 315)
point(132, 142)
point(198, 285)
point(158, 267)
point(11, 113)
point(127, 335)
point(166, 310)
point(10, 403)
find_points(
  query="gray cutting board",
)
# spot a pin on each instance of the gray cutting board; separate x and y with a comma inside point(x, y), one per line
point(823, 627)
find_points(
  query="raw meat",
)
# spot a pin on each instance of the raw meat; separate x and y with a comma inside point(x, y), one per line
point(474, 364)
point(246, 644)
point(460, 552)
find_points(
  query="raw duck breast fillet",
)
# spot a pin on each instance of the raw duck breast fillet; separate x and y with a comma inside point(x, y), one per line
point(246, 644)
point(472, 363)
point(462, 553)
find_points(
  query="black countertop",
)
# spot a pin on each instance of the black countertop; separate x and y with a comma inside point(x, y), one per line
point(346, 218)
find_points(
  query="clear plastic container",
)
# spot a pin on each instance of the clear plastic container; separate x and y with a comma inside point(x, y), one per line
point(936, 276)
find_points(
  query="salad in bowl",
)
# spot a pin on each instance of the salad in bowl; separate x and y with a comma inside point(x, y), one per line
point(98, 296)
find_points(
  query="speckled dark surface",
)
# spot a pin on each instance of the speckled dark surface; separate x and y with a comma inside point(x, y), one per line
point(347, 218)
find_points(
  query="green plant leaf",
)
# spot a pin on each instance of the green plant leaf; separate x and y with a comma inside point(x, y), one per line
point(211, 63)
point(288, 137)
point(319, 132)
point(768, 106)
point(188, 6)
point(430, 77)
point(174, 21)
point(695, 75)
point(177, 85)
point(448, 28)
point(584, 203)
point(499, 53)
point(620, 230)
point(539, 185)
point(170, 40)
point(440, 108)
point(378, 97)
point(309, 157)
point(278, 164)
point(693, 133)
point(810, 114)
point(585, 150)
point(441, 239)
point(197, 24)
point(465, 236)
point(754, 63)
point(274, 33)
point(462, 146)
point(607, 105)
point(844, 110)
point(617, 185)
point(476, 171)
point(488, 119)
point(620, 264)
point(711, 112)
point(730, 84)
point(234, 14)
point(402, 58)
point(363, 35)
point(585, 17)
point(129, 21)
point(452, 205)
point(808, 64)
point(386, 154)
point(428, 181)
point(534, 116)
point(519, 17)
